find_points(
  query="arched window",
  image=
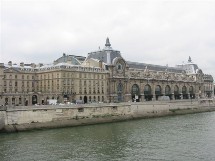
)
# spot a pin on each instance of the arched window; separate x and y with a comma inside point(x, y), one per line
point(176, 90)
point(158, 90)
point(135, 90)
point(147, 90)
point(184, 89)
point(191, 91)
point(167, 90)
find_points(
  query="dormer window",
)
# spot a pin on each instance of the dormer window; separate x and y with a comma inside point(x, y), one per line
point(119, 67)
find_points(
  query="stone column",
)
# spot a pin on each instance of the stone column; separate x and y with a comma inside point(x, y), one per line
point(163, 90)
point(153, 92)
point(142, 97)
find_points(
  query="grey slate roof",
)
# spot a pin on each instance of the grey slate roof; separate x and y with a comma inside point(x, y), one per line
point(102, 55)
point(208, 77)
point(65, 58)
point(154, 67)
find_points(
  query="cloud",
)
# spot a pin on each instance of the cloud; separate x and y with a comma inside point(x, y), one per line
point(158, 32)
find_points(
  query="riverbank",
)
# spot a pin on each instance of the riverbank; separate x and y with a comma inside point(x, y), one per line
point(22, 118)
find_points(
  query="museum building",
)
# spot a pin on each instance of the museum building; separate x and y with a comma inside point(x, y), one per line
point(102, 76)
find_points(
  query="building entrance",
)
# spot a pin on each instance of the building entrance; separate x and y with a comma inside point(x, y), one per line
point(135, 93)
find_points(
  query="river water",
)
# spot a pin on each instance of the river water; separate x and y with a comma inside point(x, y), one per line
point(180, 138)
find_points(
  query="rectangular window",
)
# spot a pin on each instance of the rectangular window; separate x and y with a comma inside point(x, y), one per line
point(13, 101)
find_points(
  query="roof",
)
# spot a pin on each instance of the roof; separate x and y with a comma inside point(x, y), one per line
point(103, 54)
point(68, 58)
point(154, 67)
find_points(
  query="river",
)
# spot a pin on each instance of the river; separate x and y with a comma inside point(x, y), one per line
point(179, 138)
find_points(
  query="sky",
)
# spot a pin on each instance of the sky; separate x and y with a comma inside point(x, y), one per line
point(149, 31)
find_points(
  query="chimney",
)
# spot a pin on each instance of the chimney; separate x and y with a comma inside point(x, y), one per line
point(55, 62)
point(10, 63)
point(22, 64)
point(33, 65)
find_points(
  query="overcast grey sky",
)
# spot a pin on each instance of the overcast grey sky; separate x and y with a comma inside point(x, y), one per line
point(150, 31)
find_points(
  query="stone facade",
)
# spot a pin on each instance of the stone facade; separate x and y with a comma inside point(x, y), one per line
point(23, 118)
point(103, 76)
point(27, 85)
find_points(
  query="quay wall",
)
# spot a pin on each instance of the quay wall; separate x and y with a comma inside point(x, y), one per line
point(21, 118)
point(2, 119)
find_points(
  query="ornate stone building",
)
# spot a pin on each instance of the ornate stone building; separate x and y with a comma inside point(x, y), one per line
point(103, 76)
point(131, 81)
point(64, 80)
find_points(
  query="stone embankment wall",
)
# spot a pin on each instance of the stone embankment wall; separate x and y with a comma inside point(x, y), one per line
point(35, 117)
point(2, 119)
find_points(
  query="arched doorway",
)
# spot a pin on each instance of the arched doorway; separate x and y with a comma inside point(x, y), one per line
point(158, 91)
point(168, 91)
point(135, 93)
point(148, 93)
point(6, 101)
point(47, 98)
point(26, 102)
point(120, 92)
point(184, 92)
point(176, 92)
point(34, 99)
point(65, 98)
point(85, 99)
point(191, 91)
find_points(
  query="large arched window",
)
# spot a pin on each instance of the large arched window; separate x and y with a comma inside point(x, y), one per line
point(191, 91)
point(147, 90)
point(184, 89)
point(176, 90)
point(135, 90)
point(167, 90)
point(158, 90)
